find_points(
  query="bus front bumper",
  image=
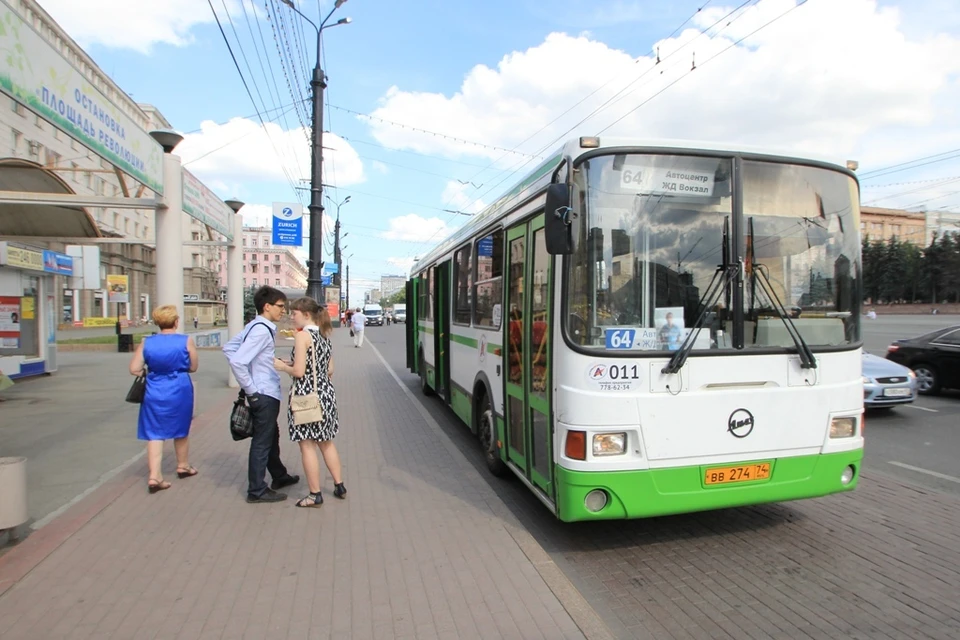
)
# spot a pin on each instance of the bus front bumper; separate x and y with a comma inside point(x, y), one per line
point(658, 492)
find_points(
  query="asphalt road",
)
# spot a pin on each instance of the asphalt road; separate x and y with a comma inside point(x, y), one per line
point(880, 562)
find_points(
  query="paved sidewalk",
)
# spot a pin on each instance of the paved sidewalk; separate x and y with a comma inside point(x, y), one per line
point(421, 548)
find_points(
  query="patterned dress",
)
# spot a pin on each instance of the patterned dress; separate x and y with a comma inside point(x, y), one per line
point(327, 428)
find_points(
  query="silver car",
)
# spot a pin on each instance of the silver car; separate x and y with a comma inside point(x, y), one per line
point(887, 383)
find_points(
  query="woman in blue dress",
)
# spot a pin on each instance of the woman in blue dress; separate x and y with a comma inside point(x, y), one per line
point(167, 409)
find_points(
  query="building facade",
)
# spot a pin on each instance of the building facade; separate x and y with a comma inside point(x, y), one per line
point(878, 223)
point(33, 144)
point(389, 285)
point(266, 264)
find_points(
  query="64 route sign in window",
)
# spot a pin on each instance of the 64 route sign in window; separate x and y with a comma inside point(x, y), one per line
point(620, 338)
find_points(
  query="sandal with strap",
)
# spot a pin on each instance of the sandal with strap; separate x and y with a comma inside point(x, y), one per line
point(311, 500)
point(186, 472)
point(157, 485)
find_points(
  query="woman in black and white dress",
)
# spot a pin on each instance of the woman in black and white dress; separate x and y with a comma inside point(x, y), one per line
point(312, 345)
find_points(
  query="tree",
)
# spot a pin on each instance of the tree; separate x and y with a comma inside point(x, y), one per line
point(249, 309)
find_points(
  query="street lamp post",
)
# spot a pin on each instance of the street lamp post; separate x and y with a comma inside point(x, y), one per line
point(336, 238)
point(317, 84)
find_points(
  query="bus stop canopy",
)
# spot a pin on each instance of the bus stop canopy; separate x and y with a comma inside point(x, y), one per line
point(40, 220)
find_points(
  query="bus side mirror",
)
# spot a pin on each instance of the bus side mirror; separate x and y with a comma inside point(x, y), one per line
point(558, 216)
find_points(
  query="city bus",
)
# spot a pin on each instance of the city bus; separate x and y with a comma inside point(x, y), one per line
point(639, 329)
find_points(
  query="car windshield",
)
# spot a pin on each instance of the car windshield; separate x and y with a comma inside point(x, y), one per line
point(656, 228)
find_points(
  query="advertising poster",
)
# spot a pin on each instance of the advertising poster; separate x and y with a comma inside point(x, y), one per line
point(669, 324)
point(9, 322)
point(118, 288)
point(287, 224)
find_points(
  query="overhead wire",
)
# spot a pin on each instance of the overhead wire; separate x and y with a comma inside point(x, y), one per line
point(513, 170)
point(246, 86)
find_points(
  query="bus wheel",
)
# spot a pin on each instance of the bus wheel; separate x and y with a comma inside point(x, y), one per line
point(487, 432)
point(424, 385)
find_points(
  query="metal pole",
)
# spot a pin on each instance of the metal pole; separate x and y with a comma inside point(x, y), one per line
point(169, 254)
point(315, 263)
point(235, 287)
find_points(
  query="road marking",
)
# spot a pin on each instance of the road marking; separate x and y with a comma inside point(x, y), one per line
point(910, 406)
point(935, 474)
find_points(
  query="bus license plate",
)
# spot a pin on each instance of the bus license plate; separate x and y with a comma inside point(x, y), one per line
point(738, 473)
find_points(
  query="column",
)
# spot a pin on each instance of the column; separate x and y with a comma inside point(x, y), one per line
point(235, 286)
point(169, 237)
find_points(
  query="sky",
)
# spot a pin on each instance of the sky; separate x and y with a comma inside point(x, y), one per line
point(434, 108)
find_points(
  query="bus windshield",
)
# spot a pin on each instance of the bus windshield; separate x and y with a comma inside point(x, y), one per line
point(654, 231)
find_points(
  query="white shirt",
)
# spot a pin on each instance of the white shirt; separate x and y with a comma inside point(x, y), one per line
point(358, 320)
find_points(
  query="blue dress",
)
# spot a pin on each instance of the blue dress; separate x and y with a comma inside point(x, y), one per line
point(167, 408)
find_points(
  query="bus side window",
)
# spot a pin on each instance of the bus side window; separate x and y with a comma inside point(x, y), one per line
point(488, 280)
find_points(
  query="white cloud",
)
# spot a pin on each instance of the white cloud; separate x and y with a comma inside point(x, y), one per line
point(242, 150)
point(380, 167)
point(839, 79)
point(137, 24)
point(412, 227)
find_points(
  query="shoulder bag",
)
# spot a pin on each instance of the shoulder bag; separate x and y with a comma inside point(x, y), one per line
point(306, 409)
point(138, 389)
point(241, 422)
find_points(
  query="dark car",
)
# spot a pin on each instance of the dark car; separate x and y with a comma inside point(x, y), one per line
point(934, 357)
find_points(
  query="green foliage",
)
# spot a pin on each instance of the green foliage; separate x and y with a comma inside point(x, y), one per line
point(896, 271)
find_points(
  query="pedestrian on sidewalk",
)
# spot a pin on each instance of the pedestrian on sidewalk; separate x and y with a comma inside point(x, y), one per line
point(357, 322)
point(167, 408)
point(251, 355)
point(196, 322)
point(311, 366)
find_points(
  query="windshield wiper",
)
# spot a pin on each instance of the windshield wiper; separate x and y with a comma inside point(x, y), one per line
point(807, 360)
point(714, 290)
point(725, 273)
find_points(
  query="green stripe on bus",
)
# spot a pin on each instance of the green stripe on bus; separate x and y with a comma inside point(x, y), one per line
point(426, 329)
point(495, 349)
point(464, 340)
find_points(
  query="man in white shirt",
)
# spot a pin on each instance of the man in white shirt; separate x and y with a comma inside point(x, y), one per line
point(357, 322)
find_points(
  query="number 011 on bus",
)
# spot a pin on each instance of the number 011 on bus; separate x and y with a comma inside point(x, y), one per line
point(638, 329)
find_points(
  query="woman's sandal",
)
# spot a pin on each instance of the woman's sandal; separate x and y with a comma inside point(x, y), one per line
point(157, 485)
point(311, 500)
point(186, 472)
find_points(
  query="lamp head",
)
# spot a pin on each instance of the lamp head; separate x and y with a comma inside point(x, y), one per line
point(234, 204)
point(167, 139)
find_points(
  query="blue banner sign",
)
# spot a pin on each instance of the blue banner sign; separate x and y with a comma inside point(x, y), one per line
point(331, 267)
point(287, 224)
point(59, 263)
point(326, 280)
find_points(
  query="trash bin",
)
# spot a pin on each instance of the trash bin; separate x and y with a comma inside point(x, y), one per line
point(13, 492)
point(125, 343)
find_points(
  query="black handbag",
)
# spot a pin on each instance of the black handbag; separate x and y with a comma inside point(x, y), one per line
point(241, 422)
point(137, 389)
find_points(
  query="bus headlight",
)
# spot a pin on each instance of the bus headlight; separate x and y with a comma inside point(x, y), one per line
point(843, 427)
point(609, 444)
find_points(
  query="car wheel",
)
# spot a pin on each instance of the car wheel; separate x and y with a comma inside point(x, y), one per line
point(487, 433)
point(928, 380)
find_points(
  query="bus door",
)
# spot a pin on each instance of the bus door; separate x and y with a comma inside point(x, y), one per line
point(526, 336)
point(441, 329)
point(410, 328)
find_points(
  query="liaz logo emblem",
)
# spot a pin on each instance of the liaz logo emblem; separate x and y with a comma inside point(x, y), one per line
point(598, 371)
point(740, 423)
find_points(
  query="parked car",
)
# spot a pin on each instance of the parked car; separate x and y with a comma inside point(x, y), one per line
point(934, 357)
point(400, 313)
point(886, 383)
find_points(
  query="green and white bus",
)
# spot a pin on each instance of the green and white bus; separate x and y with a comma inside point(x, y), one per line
point(638, 329)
